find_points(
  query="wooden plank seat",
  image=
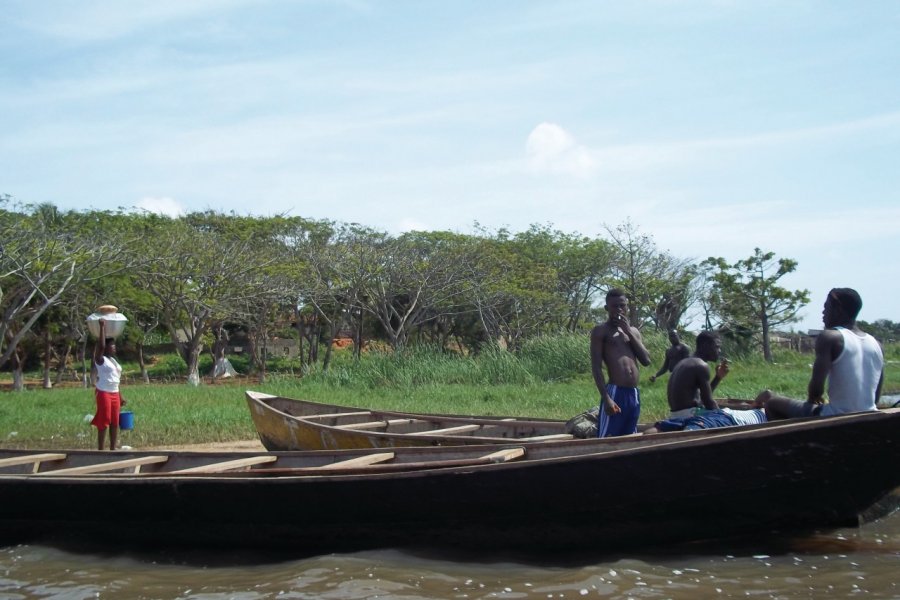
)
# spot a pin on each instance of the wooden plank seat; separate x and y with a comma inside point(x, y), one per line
point(228, 465)
point(359, 461)
point(37, 459)
point(376, 424)
point(449, 430)
point(362, 413)
point(114, 465)
point(549, 437)
point(376, 463)
point(504, 455)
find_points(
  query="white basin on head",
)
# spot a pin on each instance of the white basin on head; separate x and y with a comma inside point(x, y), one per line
point(115, 324)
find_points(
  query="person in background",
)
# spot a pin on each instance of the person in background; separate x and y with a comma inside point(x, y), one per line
point(106, 392)
point(618, 346)
point(677, 352)
point(850, 360)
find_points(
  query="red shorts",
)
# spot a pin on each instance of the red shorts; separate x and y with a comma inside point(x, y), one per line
point(108, 405)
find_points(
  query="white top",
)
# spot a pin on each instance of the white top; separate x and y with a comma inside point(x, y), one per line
point(109, 373)
point(854, 375)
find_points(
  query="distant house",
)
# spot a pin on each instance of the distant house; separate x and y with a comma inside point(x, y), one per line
point(801, 342)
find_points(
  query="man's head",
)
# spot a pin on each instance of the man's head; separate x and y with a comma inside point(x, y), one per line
point(616, 303)
point(842, 305)
point(673, 337)
point(709, 345)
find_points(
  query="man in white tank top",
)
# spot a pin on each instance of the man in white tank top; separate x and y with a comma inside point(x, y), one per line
point(849, 359)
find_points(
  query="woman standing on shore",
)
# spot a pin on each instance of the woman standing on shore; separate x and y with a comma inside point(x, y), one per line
point(106, 392)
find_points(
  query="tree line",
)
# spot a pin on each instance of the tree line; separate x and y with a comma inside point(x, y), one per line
point(197, 277)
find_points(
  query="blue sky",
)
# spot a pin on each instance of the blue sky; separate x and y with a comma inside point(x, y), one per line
point(715, 126)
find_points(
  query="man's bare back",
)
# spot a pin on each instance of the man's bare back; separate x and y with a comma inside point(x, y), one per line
point(689, 384)
point(685, 383)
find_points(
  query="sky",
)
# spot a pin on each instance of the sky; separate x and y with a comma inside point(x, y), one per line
point(713, 126)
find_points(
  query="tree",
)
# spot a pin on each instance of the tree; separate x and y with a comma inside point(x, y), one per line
point(201, 269)
point(416, 279)
point(580, 267)
point(43, 254)
point(745, 294)
point(660, 287)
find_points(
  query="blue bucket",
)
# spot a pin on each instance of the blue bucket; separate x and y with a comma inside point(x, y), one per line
point(126, 420)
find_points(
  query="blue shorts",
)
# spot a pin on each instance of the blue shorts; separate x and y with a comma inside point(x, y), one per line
point(624, 423)
point(704, 420)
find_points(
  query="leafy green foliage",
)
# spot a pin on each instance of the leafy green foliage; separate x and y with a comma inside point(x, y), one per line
point(746, 298)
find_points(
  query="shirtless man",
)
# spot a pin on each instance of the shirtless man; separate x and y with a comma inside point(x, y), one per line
point(618, 346)
point(689, 384)
point(851, 361)
point(690, 388)
point(677, 352)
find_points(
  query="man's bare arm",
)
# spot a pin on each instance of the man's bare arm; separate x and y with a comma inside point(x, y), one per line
point(706, 398)
point(826, 348)
point(637, 346)
point(598, 339)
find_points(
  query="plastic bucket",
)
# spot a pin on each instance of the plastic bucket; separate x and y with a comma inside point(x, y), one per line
point(126, 420)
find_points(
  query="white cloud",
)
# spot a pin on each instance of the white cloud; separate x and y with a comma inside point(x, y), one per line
point(162, 206)
point(550, 148)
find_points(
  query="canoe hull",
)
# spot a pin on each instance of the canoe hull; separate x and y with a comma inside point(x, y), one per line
point(284, 424)
point(788, 479)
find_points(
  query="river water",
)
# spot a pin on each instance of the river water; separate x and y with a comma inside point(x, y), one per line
point(847, 563)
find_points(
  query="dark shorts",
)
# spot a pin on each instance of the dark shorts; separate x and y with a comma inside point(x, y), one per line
point(624, 423)
point(705, 420)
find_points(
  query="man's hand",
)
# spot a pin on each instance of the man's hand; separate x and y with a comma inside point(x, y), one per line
point(722, 369)
point(652, 378)
point(623, 328)
point(611, 407)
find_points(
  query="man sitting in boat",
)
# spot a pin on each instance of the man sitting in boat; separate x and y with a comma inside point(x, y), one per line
point(690, 393)
point(851, 361)
point(690, 387)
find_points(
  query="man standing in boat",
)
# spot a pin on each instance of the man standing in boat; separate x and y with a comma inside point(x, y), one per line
point(106, 393)
point(677, 352)
point(618, 346)
point(851, 361)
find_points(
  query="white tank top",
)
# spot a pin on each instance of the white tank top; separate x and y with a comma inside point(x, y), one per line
point(854, 375)
point(108, 375)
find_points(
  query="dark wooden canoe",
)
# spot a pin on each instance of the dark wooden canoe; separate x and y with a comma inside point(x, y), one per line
point(603, 495)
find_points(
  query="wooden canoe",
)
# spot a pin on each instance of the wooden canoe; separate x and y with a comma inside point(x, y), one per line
point(603, 495)
point(290, 424)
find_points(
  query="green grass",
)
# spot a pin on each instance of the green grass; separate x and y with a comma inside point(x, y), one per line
point(548, 378)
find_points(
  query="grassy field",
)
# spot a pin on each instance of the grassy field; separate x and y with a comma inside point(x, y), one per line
point(549, 378)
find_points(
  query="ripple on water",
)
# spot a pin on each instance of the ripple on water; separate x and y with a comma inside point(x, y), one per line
point(847, 563)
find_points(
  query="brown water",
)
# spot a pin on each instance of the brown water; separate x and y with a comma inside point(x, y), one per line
point(849, 563)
